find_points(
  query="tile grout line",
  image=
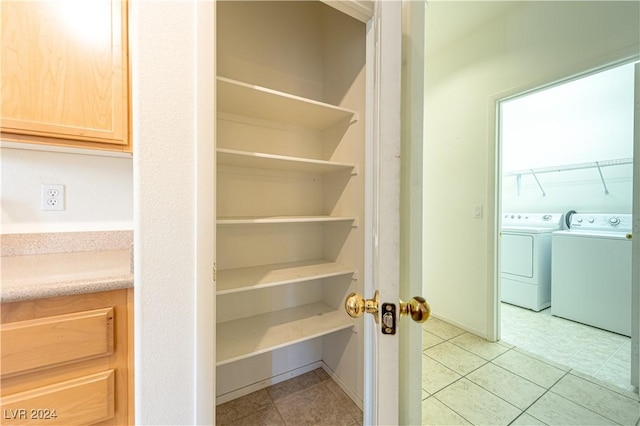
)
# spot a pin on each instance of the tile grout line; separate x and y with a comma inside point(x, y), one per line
point(562, 367)
point(586, 408)
point(465, 377)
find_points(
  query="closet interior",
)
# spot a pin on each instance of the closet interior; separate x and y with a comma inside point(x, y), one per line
point(290, 193)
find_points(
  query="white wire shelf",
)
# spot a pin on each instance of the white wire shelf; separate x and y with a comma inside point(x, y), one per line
point(598, 165)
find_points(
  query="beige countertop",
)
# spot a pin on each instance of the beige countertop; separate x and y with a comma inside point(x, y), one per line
point(42, 275)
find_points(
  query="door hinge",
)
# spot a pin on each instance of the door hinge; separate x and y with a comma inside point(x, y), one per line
point(215, 272)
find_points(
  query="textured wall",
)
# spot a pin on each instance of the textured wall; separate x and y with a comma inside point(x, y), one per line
point(99, 191)
point(162, 55)
point(533, 44)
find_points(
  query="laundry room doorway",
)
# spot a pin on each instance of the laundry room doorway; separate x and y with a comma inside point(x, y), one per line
point(565, 166)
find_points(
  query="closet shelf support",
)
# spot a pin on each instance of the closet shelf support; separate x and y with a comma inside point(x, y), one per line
point(538, 182)
point(606, 190)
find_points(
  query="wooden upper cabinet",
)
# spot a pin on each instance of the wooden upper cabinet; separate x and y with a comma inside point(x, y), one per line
point(65, 73)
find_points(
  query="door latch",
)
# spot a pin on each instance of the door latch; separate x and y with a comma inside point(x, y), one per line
point(389, 318)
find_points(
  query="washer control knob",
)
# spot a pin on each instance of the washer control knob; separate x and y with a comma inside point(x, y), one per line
point(614, 221)
point(519, 217)
point(546, 217)
point(580, 220)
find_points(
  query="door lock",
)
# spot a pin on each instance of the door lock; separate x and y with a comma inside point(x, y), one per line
point(417, 308)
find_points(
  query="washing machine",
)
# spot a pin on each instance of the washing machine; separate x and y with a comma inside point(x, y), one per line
point(591, 271)
point(526, 258)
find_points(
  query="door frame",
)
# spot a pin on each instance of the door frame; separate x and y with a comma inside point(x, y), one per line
point(494, 312)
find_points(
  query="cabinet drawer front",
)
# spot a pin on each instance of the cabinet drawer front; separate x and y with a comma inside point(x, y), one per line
point(81, 401)
point(44, 342)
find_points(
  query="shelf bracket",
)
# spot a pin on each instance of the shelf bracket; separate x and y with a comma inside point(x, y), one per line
point(606, 190)
point(538, 182)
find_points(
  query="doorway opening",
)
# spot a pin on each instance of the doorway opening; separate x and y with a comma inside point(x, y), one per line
point(565, 168)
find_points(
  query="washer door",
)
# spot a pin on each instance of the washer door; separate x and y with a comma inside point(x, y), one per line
point(517, 255)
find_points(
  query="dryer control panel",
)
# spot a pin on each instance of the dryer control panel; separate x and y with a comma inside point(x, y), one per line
point(601, 222)
point(541, 220)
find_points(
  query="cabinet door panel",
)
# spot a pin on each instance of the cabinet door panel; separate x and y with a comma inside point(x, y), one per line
point(85, 400)
point(44, 342)
point(64, 70)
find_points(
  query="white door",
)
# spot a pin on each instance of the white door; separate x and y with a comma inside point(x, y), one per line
point(393, 361)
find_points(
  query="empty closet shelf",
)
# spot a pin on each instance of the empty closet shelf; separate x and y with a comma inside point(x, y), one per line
point(255, 277)
point(248, 220)
point(243, 99)
point(246, 337)
point(260, 160)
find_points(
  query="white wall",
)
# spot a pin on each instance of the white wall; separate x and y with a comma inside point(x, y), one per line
point(533, 44)
point(162, 39)
point(99, 191)
point(584, 120)
point(581, 121)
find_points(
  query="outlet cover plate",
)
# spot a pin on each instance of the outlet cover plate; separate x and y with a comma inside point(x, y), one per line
point(53, 197)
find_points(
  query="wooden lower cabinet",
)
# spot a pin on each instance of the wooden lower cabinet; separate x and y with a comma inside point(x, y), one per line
point(68, 360)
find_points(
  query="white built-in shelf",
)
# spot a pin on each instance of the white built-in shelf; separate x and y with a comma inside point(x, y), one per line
point(239, 98)
point(252, 220)
point(255, 277)
point(246, 337)
point(260, 160)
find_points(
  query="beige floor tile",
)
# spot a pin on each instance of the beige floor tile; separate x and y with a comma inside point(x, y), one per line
point(435, 412)
point(479, 346)
point(429, 340)
point(442, 329)
point(589, 361)
point(529, 368)
point(436, 376)
point(568, 343)
point(242, 407)
point(544, 359)
point(343, 399)
point(624, 390)
point(314, 406)
point(425, 395)
point(290, 387)
point(322, 375)
point(507, 385)
point(553, 409)
point(455, 358)
point(527, 420)
point(615, 376)
point(269, 416)
point(609, 404)
point(476, 405)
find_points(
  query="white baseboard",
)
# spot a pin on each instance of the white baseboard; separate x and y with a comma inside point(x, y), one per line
point(460, 325)
point(340, 383)
point(221, 399)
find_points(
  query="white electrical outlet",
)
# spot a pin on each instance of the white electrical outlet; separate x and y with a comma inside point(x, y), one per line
point(52, 196)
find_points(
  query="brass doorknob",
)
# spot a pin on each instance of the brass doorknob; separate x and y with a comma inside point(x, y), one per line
point(356, 305)
point(418, 308)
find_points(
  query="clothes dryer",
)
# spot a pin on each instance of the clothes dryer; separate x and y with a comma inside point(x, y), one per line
point(526, 258)
point(591, 271)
